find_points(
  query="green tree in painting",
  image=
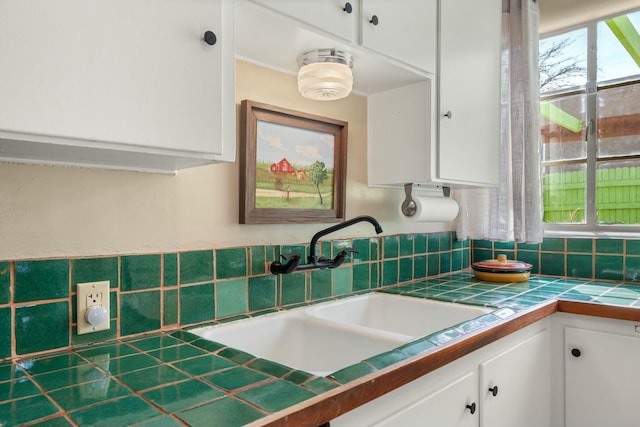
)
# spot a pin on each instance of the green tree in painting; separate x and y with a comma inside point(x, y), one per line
point(317, 175)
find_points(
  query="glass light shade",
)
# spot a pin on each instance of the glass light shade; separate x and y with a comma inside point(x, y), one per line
point(325, 75)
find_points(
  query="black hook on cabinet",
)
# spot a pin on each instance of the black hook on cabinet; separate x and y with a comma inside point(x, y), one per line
point(210, 38)
point(347, 7)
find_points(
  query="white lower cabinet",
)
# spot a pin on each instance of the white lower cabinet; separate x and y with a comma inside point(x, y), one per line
point(458, 394)
point(602, 372)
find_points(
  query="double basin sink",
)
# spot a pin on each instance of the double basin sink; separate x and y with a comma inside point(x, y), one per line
point(326, 337)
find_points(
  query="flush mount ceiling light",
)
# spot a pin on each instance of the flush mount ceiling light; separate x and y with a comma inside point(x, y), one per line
point(325, 74)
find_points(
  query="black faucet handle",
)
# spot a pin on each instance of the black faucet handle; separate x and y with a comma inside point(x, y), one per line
point(293, 256)
point(347, 250)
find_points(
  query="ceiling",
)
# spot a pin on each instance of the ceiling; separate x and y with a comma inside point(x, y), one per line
point(556, 14)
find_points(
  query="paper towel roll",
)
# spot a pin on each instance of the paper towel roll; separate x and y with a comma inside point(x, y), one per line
point(433, 209)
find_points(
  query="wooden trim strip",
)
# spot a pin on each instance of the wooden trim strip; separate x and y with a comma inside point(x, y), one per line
point(599, 310)
point(327, 406)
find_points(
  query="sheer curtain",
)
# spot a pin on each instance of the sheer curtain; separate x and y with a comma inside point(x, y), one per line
point(513, 211)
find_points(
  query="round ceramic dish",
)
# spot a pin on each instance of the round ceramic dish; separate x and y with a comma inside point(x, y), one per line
point(502, 270)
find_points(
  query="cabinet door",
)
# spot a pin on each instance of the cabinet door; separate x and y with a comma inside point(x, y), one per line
point(469, 91)
point(336, 17)
point(446, 407)
point(520, 379)
point(406, 31)
point(602, 378)
point(129, 73)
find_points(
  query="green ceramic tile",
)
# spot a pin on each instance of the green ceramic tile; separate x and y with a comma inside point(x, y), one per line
point(633, 247)
point(152, 377)
point(270, 368)
point(433, 264)
point(5, 282)
point(609, 267)
point(552, 264)
point(140, 272)
point(203, 364)
point(94, 270)
point(126, 411)
point(95, 337)
point(154, 342)
point(320, 284)
point(363, 248)
point(140, 312)
point(235, 378)
point(227, 412)
point(238, 356)
point(276, 395)
point(45, 364)
point(107, 351)
point(258, 260)
point(5, 332)
point(445, 262)
point(34, 323)
point(405, 271)
point(406, 244)
point(60, 421)
point(297, 377)
point(416, 347)
point(528, 246)
point(197, 303)
point(41, 280)
point(170, 307)
point(18, 388)
point(375, 277)
point(388, 358)
point(580, 245)
point(196, 266)
point(131, 363)
point(625, 291)
point(80, 396)
point(390, 246)
point(10, 371)
point(207, 345)
point(262, 292)
point(482, 254)
point(499, 246)
point(420, 243)
point(231, 263)
point(320, 385)
point(166, 421)
point(170, 269)
point(231, 297)
point(352, 372)
point(21, 411)
point(579, 265)
point(390, 272)
point(442, 337)
point(68, 377)
point(342, 280)
point(172, 354)
point(482, 244)
point(553, 245)
point(180, 396)
point(360, 279)
point(609, 246)
point(375, 251)
point(445, 241)
point(293, 288)
point(532, 258)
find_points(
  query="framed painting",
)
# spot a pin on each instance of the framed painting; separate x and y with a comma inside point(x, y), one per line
point(292, 166)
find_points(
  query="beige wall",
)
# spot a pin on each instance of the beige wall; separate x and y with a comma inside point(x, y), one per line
point(59, 212)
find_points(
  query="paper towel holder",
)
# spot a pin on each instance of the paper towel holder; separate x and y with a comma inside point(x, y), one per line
point(409, 206)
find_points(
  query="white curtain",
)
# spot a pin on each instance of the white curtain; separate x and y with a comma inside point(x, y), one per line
point(513, 211)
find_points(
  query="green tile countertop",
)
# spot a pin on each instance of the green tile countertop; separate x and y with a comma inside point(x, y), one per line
point(177, 378)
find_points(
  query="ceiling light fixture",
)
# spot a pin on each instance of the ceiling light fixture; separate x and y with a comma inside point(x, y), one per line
point(325, 74)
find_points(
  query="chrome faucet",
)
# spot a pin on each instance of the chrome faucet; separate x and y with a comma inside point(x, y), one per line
point(293, 260)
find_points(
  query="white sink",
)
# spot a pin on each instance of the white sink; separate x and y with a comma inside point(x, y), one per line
point(326, 337)
point(411, 316)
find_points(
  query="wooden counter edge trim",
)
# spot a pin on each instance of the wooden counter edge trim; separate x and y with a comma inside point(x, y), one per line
point(599, 310)
point(327, 406)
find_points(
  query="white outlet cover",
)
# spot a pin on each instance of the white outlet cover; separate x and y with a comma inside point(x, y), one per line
point(89, 295)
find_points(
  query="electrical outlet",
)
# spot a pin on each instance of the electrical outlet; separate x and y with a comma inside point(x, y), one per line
point(93, 307)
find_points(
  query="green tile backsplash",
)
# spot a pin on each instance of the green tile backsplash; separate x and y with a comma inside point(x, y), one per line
point(152, 292)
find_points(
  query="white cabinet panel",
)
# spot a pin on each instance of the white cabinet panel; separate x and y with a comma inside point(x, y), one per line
point(602, 378)
point(130, 75)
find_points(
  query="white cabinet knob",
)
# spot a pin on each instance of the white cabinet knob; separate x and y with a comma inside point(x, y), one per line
point(96, 315)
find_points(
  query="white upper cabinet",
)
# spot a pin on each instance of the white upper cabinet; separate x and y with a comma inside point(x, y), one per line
point(336, 17)
point(405, 31)
point(125, 84)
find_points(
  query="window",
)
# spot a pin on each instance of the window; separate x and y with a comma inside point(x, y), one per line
point(590, 126)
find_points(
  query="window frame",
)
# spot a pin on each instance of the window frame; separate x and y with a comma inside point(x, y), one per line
point(590, 228)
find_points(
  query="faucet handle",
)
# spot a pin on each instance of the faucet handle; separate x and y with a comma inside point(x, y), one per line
point(293, 256)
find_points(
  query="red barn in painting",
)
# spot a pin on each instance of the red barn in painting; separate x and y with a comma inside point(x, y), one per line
point(282, 166)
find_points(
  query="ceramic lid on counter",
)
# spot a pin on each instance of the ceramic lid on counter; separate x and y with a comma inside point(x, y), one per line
point(502, 265)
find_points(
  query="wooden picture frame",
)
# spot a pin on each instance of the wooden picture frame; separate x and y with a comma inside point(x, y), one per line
point(292, 166)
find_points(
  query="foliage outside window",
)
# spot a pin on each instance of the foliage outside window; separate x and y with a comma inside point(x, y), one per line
point(590, 126)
